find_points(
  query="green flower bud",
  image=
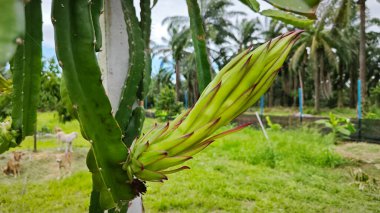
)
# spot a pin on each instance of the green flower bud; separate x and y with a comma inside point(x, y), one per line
point(235, 88)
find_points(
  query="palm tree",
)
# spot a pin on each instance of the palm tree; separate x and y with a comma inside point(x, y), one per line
point(189, 72)
point(215, 23)
point(243, 33)
point(163, 78)
point(362, 53)
point(324, 46)
point(373, 53)
point(174, 48)
point(274, 28)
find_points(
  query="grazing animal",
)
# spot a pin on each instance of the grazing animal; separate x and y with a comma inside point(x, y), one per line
point(57, 129)
point(64, 163)
point(13, 165)
point(67, 139)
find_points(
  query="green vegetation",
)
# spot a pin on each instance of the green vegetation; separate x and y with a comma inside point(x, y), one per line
point(374, 112)
point(166, 104)
point(50, 92)
point(341, 128)
point(321, 66)
point(46, 123)
point(68, 195)
point(298, 171)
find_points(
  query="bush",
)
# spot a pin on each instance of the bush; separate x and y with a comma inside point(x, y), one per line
point(272, 126)
point(340, 127)
point(166, 104)
point(5, 105)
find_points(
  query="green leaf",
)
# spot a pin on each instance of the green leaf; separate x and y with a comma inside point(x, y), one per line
point(288, 18)
point(154, 3)
point(302, 7)
point(253, 4)
point(343, 131)
point(12, 26)
point(322, 121)
point(4, 84)
point(297, 56)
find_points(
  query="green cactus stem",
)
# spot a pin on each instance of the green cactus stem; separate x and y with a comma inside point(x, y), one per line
point(145, 25)
point(96, 11)
point(200, 48)
point(136, 65)
point(12, 28)
point(74, 37)
point(135, 125)
point(27, 67)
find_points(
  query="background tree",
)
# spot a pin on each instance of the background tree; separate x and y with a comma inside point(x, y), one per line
point(174, 49)
point(50, 86)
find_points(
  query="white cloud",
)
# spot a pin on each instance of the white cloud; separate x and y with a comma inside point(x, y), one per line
point(48, 30)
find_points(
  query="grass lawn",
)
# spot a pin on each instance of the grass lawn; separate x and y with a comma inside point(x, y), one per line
point(297, 171)
point(373, 113)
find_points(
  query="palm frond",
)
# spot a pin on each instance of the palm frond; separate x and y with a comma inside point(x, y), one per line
point(330, 55)
point(297, 56)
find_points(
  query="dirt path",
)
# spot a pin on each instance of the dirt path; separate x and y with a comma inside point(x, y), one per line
point(365, 154)
point(43, 166)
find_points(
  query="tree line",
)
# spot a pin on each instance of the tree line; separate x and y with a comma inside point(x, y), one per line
point(325, 62)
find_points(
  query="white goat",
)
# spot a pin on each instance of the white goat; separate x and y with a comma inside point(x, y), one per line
point(67, 139)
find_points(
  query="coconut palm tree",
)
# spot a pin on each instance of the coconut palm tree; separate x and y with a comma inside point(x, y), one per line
point(190, 74)
point(373, 51)
point(273, 29)
point(174, 49)
point(217, 26)
point(244, 33)
point(362, 52)
point(319, 45)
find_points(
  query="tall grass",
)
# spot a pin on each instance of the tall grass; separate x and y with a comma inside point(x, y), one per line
point(284, 149)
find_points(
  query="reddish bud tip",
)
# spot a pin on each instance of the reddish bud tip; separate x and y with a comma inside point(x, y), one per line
point(185, 167)
point(248, 60)
point(268, 44)
point(188, 135)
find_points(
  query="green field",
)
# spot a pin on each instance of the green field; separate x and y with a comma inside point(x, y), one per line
point(297, 171)
point(373, 113)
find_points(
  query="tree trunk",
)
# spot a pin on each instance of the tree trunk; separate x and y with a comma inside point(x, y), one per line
point(271, 96)
point(190, 90)
point(295, 86)
point(362, 53)
point(340, 86)
point(35, 141)
point(196, 89)
point(301, 84)
point(317, 86)
point(177, 81)
point(353, 87)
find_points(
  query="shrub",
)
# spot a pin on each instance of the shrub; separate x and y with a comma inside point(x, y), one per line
point(166, 104)
point(341, 128)
point(272, 126)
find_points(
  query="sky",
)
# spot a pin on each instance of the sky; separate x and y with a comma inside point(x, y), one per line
point(165, 8)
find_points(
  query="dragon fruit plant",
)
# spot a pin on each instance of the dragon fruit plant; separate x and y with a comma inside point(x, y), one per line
point(121, 159)
point(235, 88)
